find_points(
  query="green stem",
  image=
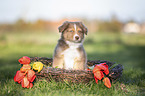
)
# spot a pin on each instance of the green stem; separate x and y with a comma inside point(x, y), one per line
point(45, 65)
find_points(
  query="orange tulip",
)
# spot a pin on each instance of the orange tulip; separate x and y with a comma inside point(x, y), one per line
point(25, 82)
point(25, 68)
point(99, 75)
point(19, 76)
point(107, 82)
point(24, 60)
point(31, 75)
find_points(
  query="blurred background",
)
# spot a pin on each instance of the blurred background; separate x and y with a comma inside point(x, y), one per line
point(111, 15)
point(116, 31)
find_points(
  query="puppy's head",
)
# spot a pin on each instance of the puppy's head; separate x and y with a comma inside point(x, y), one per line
point(73, 31)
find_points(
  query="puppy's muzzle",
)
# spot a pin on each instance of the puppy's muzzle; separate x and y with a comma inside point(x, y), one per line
point(77, 37)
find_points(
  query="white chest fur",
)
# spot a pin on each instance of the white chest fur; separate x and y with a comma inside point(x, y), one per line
point(71, 54)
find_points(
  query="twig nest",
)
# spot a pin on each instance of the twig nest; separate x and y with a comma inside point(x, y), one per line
point(75, 76)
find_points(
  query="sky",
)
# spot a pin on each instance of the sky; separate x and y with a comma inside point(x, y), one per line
point(32, 10)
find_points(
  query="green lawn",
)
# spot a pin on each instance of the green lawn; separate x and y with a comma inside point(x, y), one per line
point(126, 49)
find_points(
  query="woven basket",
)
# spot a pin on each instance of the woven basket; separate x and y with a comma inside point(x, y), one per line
point(74, 76)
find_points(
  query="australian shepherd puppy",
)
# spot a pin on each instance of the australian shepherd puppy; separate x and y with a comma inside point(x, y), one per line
point(69, 52)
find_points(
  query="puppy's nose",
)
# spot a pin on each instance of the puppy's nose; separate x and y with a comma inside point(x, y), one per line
point(76, 37)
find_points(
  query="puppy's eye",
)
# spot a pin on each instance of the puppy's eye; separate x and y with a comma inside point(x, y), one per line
point(71, 31)
point(79, 31)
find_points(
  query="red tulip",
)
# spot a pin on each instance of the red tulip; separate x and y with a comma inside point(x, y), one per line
point(104, 64)
point(31, 75)
point(99, 75)
point(101, 67)
point(106, 71)
point(107, 82)
point(19, 76)
point(31, 85)
point(88, 69)
point(96, 80)
point(25, 68)
point(25, 82)
point(24, 60)
point(96, 68)
point(105, 68)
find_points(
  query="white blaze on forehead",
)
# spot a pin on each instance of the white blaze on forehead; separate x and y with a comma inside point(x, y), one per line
point(75, 35)
point(75, 26)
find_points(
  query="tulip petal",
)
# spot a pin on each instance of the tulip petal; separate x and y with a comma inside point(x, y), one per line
point(107, 82)
point(104, 67)
point(24, 60)
point(25, 83)
point(28, 86)
point(96, 68)
point(99, 75)
point(88, 69)
point(96, 80)
point(106, 71)
point(38, 66)
point(19, 76)
point(101, 67)
point(104, 64)
point(31, 85)
point(25, 68)
point(31, 75)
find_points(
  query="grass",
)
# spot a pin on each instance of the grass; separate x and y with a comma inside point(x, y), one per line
point(126, 49)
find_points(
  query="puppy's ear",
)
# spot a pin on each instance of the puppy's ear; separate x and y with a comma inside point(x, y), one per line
point(63, 26)
point(83, 27)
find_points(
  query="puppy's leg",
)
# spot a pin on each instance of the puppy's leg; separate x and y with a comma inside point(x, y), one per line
point(58, 57)
point(58, 62)
point(80, 64)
